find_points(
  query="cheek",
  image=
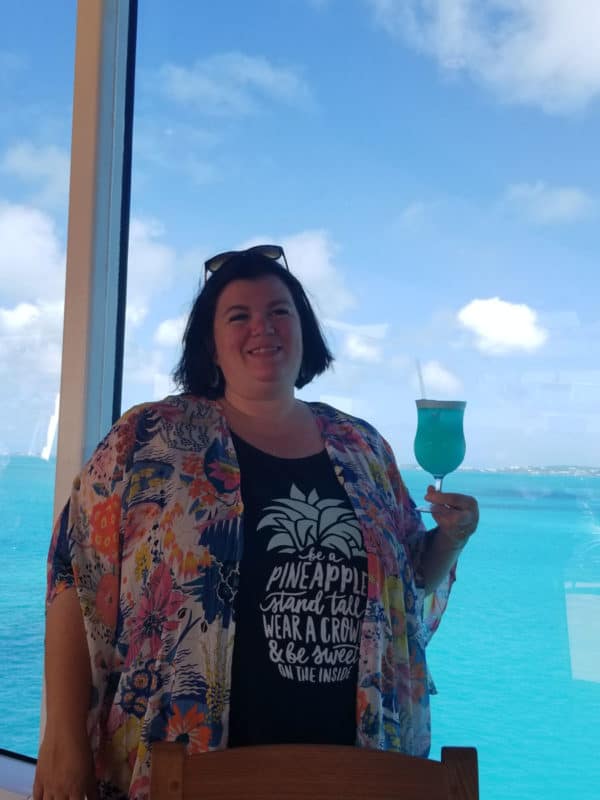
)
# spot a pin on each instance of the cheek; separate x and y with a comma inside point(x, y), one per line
point(226, 343)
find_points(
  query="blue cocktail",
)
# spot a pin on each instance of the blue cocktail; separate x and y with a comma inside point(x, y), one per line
point(440, 440)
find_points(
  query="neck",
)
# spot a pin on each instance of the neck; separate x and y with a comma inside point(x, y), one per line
point(272, 409)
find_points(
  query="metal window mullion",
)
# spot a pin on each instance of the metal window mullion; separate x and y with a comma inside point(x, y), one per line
point(98, 232)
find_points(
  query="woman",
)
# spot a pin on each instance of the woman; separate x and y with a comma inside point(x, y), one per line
point(236, 566)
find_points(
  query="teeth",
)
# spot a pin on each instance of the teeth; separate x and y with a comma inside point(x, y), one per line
point(265, 350)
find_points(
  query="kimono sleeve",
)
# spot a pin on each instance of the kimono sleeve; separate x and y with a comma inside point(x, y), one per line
point(417, 538)
point(59, 567)
point(85, 547)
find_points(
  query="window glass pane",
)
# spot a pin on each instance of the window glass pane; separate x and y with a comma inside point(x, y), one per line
point(434, 179)
point(36, 80)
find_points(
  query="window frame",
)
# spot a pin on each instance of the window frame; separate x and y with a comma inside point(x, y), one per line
point(98, 233)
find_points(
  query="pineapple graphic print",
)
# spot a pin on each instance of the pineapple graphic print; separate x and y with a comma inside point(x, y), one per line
point(315, 593)
point(303, 521)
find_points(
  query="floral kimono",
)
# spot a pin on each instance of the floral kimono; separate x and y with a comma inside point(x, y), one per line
point(152, 540)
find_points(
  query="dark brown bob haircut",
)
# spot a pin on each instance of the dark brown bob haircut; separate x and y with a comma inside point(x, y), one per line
point(197, 374)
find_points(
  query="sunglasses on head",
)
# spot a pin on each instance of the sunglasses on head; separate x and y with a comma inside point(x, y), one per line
point(273, 251)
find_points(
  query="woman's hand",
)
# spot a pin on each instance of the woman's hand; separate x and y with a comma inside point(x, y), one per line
point(456, 515)
point(65, 768)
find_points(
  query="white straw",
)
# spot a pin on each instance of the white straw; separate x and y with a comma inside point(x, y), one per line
point(420, 374)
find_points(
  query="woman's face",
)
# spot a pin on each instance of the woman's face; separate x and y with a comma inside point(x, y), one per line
point(258, 338)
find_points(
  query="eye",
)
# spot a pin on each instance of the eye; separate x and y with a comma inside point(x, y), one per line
point(239, 317)
point(281, 311)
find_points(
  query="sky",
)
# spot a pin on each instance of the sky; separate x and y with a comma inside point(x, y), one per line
point(430, 167)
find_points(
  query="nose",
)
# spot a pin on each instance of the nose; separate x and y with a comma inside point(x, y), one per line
point(262, 324)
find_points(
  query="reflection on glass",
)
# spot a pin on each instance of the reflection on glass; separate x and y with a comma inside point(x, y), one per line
point(582, 601)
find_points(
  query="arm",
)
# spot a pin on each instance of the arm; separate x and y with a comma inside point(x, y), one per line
point(67, 664)
point(439, 558)
point(457, 516)
point(432, 554)
point(65, 767)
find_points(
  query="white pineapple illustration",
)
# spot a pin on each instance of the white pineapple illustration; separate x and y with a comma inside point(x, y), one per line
point(301, 522)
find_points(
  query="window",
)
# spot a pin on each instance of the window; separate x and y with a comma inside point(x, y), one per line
point(434, 182)
point(36, 84)
point(436, 187)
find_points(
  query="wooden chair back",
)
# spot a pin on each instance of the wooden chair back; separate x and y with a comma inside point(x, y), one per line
point(311, 772)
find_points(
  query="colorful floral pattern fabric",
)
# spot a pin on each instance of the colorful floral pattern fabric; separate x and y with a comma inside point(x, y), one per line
point(152, 539)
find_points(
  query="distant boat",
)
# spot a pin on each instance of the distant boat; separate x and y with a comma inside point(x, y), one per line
point(51, 432)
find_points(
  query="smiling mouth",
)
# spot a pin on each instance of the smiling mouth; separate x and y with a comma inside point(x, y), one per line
point(264, 351)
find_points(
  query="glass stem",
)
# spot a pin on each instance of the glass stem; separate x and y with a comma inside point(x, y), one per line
point(437, 482)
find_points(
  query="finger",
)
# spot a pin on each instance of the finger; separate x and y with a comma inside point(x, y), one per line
point(455, 524)
point(454, 514)
point(453, 498)
point(448, 517)
point(37, 792)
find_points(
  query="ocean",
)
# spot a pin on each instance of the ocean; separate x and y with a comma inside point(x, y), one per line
point(516, 660)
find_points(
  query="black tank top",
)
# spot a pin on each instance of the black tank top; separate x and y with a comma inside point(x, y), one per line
point(299, 606)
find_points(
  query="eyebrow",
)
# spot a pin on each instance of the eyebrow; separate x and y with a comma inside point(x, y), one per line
point(242, 307)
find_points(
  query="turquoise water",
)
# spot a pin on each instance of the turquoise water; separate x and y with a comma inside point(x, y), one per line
point(516, 659)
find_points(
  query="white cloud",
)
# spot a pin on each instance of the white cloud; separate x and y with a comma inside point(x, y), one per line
point(501, 327)
point(162, 385)
point(233, 83)
point(341, 402)
point(148, 378)
point(31, 310)
point(311, 258)
point(30, 344)
point(546, 204)
point(358, 348)
point(46, 168)
point(14, 320)
point(438, 381)
point(170, 332)
point(310, 255)
point(30, 357)
point(135, 314)
point(539, 52)
point(376, 330)
point(32, 261)
point(31, 295)
point(151, 267)
point(361, 342)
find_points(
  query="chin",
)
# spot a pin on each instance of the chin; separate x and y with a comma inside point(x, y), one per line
point(273, 384)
